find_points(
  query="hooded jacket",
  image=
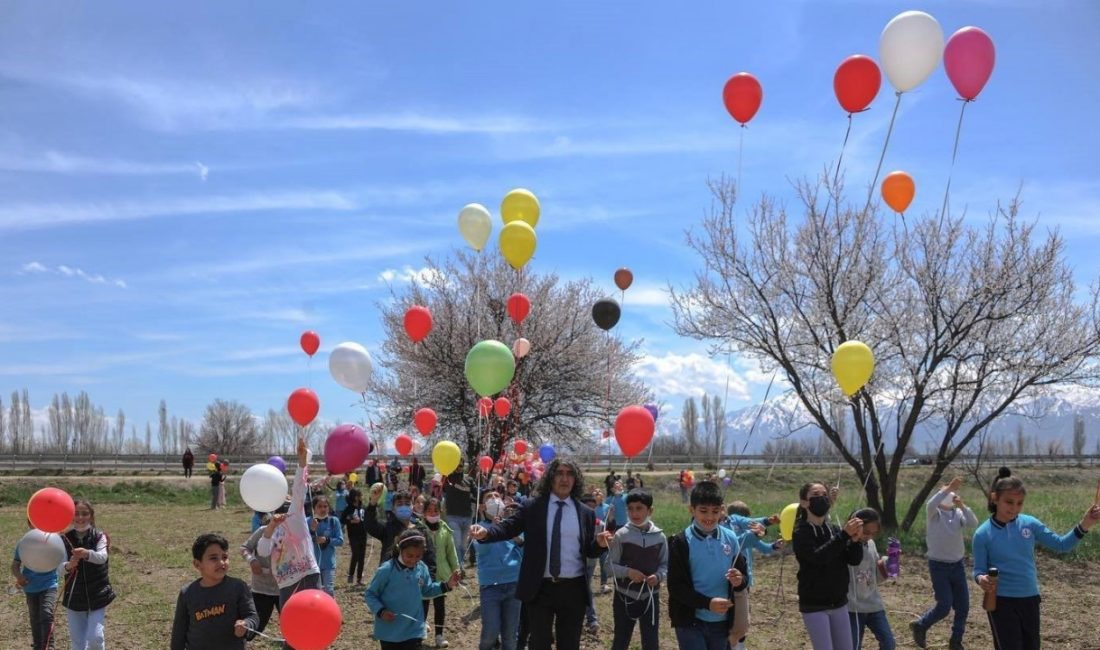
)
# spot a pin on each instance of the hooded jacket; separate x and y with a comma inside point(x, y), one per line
point(388, 531)
point(643, 548)
point(824, 554)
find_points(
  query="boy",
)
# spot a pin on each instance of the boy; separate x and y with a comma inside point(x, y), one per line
point(592, 622)
point(705, 568)
point(602, 507)
point(214, 611)
point(750, 533)
point(639, 560)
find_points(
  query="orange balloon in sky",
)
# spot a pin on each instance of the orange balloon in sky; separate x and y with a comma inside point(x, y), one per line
point(898, 190)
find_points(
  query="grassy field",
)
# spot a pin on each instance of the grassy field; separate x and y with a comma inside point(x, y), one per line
point(153, 522)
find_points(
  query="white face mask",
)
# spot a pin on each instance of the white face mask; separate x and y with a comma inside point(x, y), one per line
point(431, 519)
point(493, 508)
point(82, 527)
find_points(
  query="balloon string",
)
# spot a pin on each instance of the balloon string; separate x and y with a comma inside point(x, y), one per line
point(740, 152)
point(607, 398)
point(752, 429)
point(836, 173)
point(882, 156)
point(261, 634)
point(725, 400)
point(954, 154)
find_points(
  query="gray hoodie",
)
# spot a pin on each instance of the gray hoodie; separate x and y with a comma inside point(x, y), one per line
point(945, 529)
point(264, 583)
point(643, 548)
point(863, 582)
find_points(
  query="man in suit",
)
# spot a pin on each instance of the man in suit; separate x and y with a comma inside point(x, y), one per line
point(560, 534)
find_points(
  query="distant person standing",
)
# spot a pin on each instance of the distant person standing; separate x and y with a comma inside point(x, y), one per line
point(188, 463)
point(416, 474)
point(216, 479)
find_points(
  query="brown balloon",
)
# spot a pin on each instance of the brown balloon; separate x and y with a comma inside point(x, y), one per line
point(623, 278)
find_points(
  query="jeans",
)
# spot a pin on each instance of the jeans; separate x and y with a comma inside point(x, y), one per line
point(499, 616)
point(949, 584)
point(830, 629)
point(879, 626)
point(40, 608)
point(605, 569)
point(86, 629)
point(328, 577)
point(265, 604)
point(703, 635)
point(646, 612)
point(459, 527)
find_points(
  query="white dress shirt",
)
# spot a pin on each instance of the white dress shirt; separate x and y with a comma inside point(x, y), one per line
point(572, 561)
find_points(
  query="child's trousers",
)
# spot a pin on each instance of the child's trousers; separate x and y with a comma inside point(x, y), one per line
point(40, 607)
point(627, 611)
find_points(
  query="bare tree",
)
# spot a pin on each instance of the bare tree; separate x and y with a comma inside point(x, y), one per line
point(1021, 440)
point(148, 438)
point(574, 380)
point(187, 433)
point(3, 427)
point(963, 320)
point(228, 429)
point(689, 425)
point(58, 437)
point(718, 423)
point(162, 426)
point(120, 430)
point(1079, 438)
point(26, 422)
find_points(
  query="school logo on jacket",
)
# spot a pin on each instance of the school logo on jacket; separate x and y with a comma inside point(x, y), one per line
point(1026, 532)
point(727, 549)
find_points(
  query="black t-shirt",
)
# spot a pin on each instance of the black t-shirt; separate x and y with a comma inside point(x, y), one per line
point(216, 478)
point(458, 497)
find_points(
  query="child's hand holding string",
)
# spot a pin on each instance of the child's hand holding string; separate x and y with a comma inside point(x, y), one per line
point(635, 575)
point(854, 527)
point(240, 628)
point(734, 577)
point(652, 581)
point(604, 539)
point(387, 615)
point(453, 581)
point(276, 520)
point(1092, 515)
point(720, 605)
point(757, 529)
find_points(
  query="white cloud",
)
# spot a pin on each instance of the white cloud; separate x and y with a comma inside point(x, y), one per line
point(34, 267)
point(57, 162)
point(423, 276)
point(71, 272)
point(415, 122)
point(673, 376)
point(204, 171)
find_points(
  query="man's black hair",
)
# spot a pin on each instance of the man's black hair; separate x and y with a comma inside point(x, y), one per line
point(640, 495)
point(205, 541)
point(706, 493)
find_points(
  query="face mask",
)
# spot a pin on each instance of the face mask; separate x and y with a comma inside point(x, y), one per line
point(493, 508)
point(819, 506)
point(82, 527)
point(432, 519)
point(404, 513)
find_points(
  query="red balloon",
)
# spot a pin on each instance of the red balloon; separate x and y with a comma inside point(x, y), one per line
point(606, 433)
point(518, 307)
point(425, 421)
point(303, 406)
point(485, 406)
point(624, 278)
point(418, 323)
point(742, 96)
point(519, 446)
point(403, 444)
point(51, 510)
point(211, 458)
point(485, 463)
point(502, 407)
point(310, 342)
point(225, 465)
point(634, 428)
point(856, 82)
point(310, 620)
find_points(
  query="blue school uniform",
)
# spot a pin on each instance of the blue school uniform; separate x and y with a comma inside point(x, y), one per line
point(401, 590)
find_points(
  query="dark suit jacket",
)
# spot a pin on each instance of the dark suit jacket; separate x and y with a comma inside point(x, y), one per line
point(530, 521)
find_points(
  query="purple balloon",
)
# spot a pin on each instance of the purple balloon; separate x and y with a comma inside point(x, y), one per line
point(547, 453)
point(278, 463)
point(653, 410)
point(727, 481)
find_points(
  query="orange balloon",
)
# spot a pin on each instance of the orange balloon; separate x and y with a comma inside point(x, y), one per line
point(898, 190)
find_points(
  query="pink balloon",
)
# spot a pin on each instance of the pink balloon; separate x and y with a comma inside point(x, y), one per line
point(968, 59)
point(345, 449)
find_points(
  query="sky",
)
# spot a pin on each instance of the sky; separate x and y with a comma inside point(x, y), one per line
point(184, 189)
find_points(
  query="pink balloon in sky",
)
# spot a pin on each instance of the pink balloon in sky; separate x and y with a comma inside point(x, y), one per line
point(968, 59)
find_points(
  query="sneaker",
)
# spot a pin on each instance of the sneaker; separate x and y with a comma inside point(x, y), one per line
point(604, 589)
point(956, 644)
point(349, 580)
point(440, 642)
point(919, 634)
point(427, 630)
point(593, 627)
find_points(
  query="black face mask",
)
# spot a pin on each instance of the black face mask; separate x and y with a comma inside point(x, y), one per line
point(819, 506)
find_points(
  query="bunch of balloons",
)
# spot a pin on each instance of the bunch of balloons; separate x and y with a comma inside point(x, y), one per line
point(520, 213)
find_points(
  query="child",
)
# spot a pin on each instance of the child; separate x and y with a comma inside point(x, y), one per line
point(286, 540)
point(327, 535)
point(215, 611)
point(617, 513)
point(1007, 541)
point(824, 553)
point(397, 521)
point(705, 568)
point(865, 608)
point(396, 591)
point(591, 620)
point(497, 575)
point(947, 517)
point(216, 479)
point(341, 495)
point(602, 507)
point(750, 533)
point(639, 560)
point(353, 517)
point(40, 589)
point(446, 563)
point(87, 584)
point(265, 591)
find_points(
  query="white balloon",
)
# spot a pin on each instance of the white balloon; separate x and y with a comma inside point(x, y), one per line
point(910, 48)
point(263, 487)
point(721, 473)
point(40, 551)
point(475, 225)
point(520, 347)
point(350, 365)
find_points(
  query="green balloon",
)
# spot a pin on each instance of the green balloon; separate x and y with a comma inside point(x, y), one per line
point(490, 367)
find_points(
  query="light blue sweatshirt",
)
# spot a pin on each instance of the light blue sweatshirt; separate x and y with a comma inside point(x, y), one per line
point(401, 590)
point(497, 562)
point(739, 524)
point(328, 527)
point(1011, 548)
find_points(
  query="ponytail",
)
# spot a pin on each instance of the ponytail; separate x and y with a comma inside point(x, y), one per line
point(1005, 482)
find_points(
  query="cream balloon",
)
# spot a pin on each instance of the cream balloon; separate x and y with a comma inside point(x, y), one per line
point(475, 225)
point(910, 48)
point(263, 487)
point(520, 347)
point(41, 551)
point(350, 365)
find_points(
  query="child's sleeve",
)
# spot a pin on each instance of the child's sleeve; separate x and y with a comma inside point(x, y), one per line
point(662, 560)
point(337, 538)
point(853, 552)
point(1053, 541)
point(681, 588)
point(179, 624)
point(451, 556)
point(298, 492)
point(264, 545)
point(430, 588)
point(246, 607)
point(374, 527)
point(248, 549)
point(980, 547)
point(373, 595)
point(759, 544)
point(970, 520)
point(99, 555)
point(615, 553)
point(807, 552)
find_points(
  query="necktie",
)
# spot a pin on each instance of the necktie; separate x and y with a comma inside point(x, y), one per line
point(555, 542)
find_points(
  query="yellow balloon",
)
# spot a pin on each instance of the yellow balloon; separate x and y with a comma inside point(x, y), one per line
point(210, 467)
point(353, 478)
point(786, 521)
point(853, 363)
point(517, 243)
point(520, 205)
point(446, 457)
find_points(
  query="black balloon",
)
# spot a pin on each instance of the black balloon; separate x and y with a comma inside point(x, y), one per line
point(606, 313)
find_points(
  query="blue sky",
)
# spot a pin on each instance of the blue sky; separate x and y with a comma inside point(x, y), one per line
point(184, 190)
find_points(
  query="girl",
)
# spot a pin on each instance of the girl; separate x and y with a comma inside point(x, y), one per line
point(341, 495)
point(327, 534)
point(353, 517)
point(40, 589)
point(865, 608)
point(824, 553)
point(497, 575)
point(947, 517)
point(446, 562)
point(223, 474)
point(286, 540)
point(396, 591)
point(87, 586)
point(1007, 541)
point(265, 591)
